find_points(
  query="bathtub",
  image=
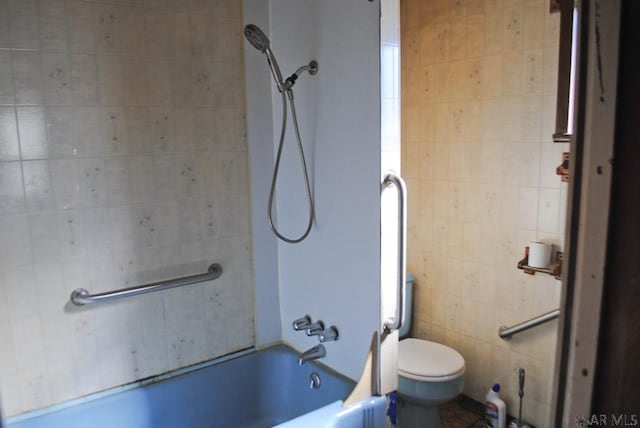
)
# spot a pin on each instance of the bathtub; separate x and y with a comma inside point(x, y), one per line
point(251, 389)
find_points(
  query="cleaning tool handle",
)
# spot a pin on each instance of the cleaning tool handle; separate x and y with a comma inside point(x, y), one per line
point(520, 382)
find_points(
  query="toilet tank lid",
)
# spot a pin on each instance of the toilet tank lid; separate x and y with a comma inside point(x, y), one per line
point(422, 359)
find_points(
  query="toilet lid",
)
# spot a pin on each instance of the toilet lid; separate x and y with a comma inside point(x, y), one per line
point(423, 360)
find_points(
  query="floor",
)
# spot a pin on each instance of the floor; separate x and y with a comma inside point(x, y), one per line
point(462, 412)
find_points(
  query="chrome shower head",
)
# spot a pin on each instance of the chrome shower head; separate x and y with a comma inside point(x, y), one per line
point(260, 41)
point(256, 37)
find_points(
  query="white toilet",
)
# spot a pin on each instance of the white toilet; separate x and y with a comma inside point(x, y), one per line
point(428, 374)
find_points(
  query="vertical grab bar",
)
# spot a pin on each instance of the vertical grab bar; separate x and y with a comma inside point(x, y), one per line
point(392, 179)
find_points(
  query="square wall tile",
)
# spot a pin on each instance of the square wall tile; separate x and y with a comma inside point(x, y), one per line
point(33, 133)
point(111, 113)
point(12, 190)
point(478, 110)
point(27, 77)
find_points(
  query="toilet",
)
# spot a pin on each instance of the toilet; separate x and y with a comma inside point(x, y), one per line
point(429, 373)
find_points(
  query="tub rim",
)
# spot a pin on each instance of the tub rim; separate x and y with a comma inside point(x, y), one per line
point(165, 376)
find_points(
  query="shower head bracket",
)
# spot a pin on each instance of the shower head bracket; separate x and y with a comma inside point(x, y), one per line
point(311, 68)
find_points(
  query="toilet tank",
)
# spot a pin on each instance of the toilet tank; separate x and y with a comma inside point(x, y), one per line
point(408, 309)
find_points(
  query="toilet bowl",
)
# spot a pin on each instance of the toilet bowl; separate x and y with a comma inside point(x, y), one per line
point(429, 373)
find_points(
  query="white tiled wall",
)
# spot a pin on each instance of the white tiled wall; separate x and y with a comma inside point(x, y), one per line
point(478, 106)
point(122, 161)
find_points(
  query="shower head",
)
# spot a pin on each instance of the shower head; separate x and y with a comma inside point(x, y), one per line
point(260, 41)
point(256, 37)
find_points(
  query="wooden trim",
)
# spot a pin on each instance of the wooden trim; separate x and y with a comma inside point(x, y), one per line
point(590, 188)
point(616, 390)
point(572, 222)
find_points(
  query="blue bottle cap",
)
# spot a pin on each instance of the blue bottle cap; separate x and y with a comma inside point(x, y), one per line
point(496, 387)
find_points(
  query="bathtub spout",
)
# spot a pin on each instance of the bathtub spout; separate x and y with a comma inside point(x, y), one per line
point(314, 353)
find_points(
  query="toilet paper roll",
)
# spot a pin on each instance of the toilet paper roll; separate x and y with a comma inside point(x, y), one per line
point(539, 254)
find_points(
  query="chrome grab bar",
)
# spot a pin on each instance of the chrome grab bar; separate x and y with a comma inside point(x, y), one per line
point(506, 332)
point(81, 296)
point(390, 179)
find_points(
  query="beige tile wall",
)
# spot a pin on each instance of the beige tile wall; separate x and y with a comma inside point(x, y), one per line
point(478, 111)
point(123, 160)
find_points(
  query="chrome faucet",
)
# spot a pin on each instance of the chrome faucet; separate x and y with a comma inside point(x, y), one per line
point(315, 329)
point(329, 334)
point(302, 323)
point(314, 353)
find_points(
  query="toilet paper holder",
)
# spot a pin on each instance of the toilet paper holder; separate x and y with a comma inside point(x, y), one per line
point(554, 269)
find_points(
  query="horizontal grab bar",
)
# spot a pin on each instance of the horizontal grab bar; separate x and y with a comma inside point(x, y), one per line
point(507, 332)
point(81, 296)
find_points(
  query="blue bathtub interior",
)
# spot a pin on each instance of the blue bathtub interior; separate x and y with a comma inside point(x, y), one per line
point(260, 389)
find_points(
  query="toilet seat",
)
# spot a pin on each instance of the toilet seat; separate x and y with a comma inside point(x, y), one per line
point(427, 361)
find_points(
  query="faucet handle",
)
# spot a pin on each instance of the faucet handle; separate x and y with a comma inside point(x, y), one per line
point(315, 329)
point(329, 334)
point(302, 323)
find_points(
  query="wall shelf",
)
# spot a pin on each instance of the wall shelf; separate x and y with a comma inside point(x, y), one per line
point(554, 269)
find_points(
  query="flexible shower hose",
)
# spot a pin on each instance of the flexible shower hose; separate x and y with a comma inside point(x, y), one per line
point(276, 169)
